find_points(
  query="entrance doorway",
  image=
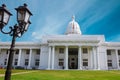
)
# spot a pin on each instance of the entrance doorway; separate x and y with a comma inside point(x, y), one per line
point(73, 58)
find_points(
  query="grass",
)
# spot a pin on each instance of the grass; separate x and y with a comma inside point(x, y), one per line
point(67, 75)
point(2, 71)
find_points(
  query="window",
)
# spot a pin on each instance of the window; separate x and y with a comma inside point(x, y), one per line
point(119, 62)
point(16, 61)
point(61, 50)
point(27, 52)
point(119, 52)
point(61, 62)
point(73, 59)
point(7, 51)
point(37, 62)
point(109, 63)
point(38, 51)
point(85, 50)
point(108, 52)
point(5, 62)
point(85, 62)
point(26, 62)
point(17, 52)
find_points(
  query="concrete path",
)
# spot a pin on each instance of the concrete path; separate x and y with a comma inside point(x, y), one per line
point(1, 75)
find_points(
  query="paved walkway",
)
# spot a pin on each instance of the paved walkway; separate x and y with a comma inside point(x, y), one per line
point(115, 72)
point(1, 75)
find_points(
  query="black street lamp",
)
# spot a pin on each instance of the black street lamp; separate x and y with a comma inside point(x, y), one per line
point(23, 16)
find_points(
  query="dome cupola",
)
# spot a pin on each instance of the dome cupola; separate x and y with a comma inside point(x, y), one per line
point(73, 27)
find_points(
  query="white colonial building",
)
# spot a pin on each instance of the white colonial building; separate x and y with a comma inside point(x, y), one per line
point(69, 51)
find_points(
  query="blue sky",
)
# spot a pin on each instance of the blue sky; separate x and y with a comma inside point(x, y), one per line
point(51, 17)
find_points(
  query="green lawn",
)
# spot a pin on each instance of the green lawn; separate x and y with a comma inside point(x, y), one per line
point(2, 71)
point(67, 75)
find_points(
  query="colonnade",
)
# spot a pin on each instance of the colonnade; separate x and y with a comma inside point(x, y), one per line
point(51, 57)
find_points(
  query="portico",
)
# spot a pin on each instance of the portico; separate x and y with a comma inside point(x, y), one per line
point(72, 57)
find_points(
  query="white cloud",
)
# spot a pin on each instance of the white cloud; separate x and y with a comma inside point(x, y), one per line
point(53, 22)
point(36, 36)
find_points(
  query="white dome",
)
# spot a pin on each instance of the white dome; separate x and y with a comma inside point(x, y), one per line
point(73, 27)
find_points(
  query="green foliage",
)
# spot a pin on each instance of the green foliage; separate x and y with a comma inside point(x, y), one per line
point(67, 75)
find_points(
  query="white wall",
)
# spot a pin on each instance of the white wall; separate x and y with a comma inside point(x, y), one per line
point(3, 56)
point(102, 58)
point(33, 58)
point(44, 57)
point(114, 59)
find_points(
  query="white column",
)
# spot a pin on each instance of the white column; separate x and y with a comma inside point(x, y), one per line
point(117, 58)
point(49, 57)
point(53, 56)
point(95, 57)
point(98, 58)
point(19, 57)
point(92, 60)
point(30, 59)
point(79, 58)
point(66, 57)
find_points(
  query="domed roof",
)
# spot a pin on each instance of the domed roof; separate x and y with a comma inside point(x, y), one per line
point(73, 27)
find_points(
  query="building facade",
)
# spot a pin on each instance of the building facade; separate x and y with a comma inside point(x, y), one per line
point(69, 51)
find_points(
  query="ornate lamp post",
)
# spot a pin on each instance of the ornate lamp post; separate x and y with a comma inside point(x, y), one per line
point(23, 16)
